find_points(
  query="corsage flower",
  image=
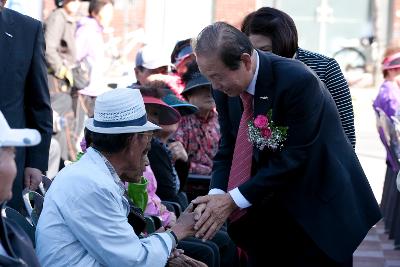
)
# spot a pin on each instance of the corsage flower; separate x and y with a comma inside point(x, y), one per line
point(264, 133)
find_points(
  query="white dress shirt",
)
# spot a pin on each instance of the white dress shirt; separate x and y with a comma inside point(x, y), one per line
point(84, 222)
point(235, 193)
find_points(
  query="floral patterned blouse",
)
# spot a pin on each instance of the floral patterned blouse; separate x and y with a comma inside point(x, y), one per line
point(200, 138)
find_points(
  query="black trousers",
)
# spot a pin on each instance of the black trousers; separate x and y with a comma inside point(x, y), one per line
point(277, 240)
point(219, 251)
point(206, 252)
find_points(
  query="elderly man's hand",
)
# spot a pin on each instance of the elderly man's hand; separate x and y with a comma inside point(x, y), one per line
point(217, 210)
point(184, 225)
point(198, 211)
point(176, 252)
point(33, 177)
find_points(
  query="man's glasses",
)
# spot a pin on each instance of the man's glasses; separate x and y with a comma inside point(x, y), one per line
point(148, 135)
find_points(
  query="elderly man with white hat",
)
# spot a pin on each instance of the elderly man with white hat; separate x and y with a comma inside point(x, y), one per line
point(84, 219)
point(16, 249)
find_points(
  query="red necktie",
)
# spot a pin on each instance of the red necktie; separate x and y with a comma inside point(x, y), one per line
point(243, 153)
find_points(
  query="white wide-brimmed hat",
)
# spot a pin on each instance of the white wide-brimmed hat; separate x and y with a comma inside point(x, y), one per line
point(17, 137)
point(120, 111)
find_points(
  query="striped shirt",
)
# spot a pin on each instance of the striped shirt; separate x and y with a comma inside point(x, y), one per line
point(329, 72)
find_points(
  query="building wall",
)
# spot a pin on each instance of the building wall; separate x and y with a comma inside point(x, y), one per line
point(394, 34)
point(233, 11)
point(163, 22)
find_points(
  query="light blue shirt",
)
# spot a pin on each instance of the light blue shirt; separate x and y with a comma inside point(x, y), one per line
point(235, 193)
point(84, 222)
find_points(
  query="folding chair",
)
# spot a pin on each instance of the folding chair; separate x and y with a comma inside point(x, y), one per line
point(150, 225)
point(173, 206)
point(33, 204)
point(44, 185)
point(17, 217)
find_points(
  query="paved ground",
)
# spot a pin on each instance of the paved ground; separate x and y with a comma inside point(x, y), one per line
point(376, 250)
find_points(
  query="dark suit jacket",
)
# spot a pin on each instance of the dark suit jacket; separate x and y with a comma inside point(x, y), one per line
point(163, 168)
point(24, 95)
point(316, 177)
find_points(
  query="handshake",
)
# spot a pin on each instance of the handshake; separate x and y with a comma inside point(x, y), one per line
point(204, 216)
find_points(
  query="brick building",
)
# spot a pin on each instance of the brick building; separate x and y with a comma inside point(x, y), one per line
point(153, 17)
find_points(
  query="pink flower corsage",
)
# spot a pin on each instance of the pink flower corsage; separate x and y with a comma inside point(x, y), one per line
point(264, 133)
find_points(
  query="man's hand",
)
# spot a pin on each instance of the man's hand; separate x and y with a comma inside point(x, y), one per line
point(172, 219)
point(178, 151)
point(176, 252)
point(33, 177)
point(217, 210)
point(199, 210)
point(184, 225)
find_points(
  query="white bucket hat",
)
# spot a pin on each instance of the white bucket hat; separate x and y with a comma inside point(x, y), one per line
point(120, 111)
point(17, 137)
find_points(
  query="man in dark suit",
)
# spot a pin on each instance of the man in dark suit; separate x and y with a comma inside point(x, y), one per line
point(24, 95)
point(307, 203)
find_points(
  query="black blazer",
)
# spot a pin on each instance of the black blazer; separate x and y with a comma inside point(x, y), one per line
point(24, 95)
point(162, 168)
point(316, 177)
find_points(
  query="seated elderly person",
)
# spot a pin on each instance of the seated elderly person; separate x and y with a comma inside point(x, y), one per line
point(84, 219)
point(199, 132)
point(16, 249)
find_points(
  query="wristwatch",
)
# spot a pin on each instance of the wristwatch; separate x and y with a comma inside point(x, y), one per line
point(173, 237)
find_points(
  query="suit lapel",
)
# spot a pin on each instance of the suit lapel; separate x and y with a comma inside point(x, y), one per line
point(7, 36)
point(263, 97)
point(264, 91)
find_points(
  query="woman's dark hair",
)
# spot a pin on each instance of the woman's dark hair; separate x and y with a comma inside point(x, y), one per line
point(96, 5)
point(108, 143)
point(276, 25)
point(228, 42)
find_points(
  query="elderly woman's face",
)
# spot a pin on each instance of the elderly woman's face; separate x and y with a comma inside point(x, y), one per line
point(8, 171)
point(261, 42)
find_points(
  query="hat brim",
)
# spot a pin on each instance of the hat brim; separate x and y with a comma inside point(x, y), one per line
point(168, 115)
point(156, 65)
point(21, 137)
point(119, 130)
point(190, 88)
point(185, 109)
point(93, 92)
point(391, 67)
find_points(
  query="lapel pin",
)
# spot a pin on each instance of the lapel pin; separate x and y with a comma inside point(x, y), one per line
point(264, 97)
point(9, 35)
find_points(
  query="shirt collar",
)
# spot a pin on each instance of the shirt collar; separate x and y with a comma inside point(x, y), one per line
point(113, 172)
point(251, 89)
